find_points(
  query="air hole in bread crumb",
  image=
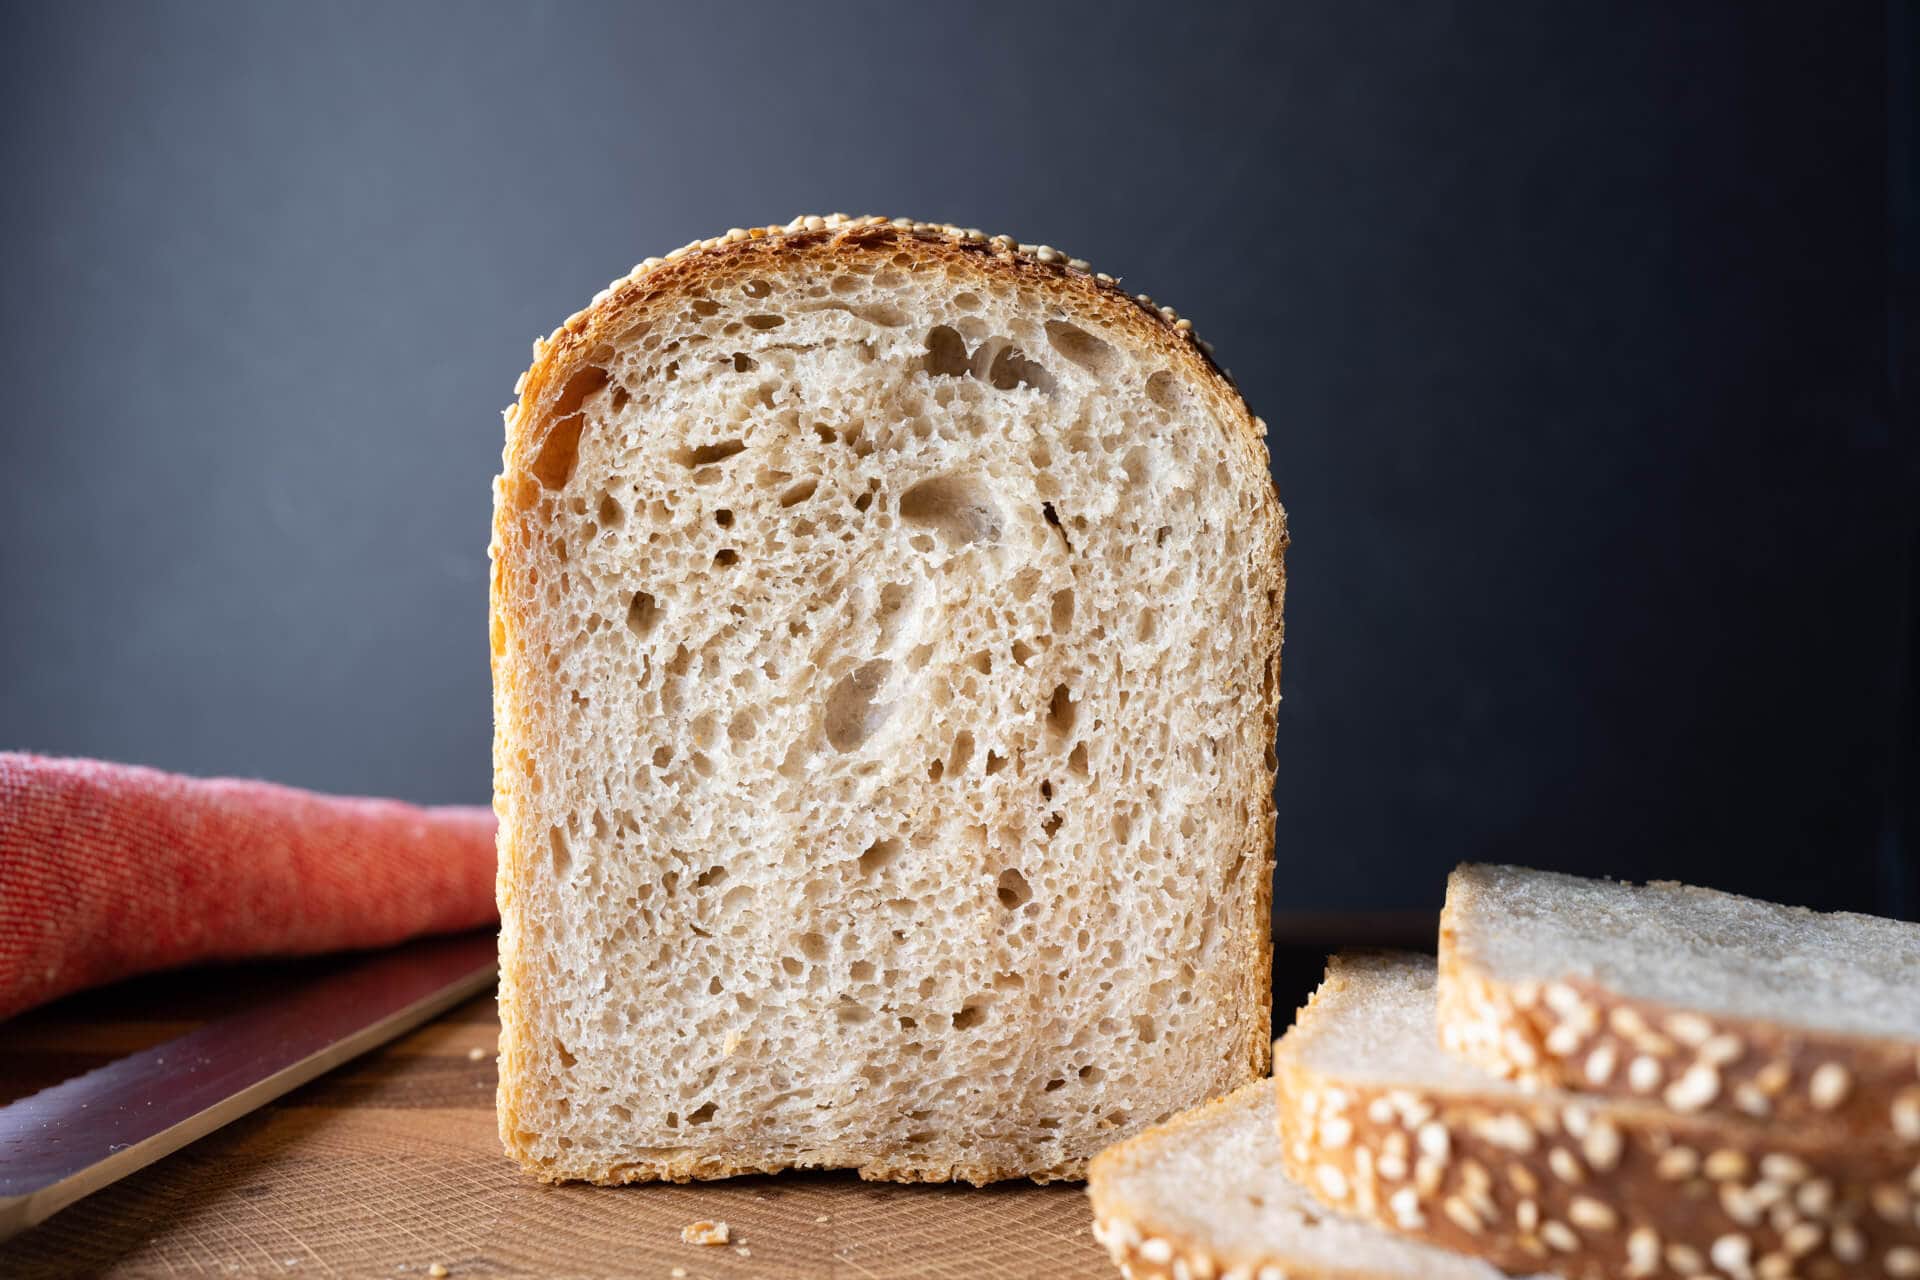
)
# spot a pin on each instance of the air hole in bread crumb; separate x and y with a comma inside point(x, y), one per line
point(723, 518)
point(725, 558)
point(560, 1051)
point(1021, 652)
point(861, 970)
point(852, 714)
point(1054, 1085)
point(756, 288)
point(610, 513)
point(946, 353)
point(553, 465)
point(936, 770)
point(744, 363)
point(662, 757)
point(970, 1015)
point(863, 502)
point(793, 965)
point(1081, 347)
point(701, 1114)
point(1077, 759)
point(851, 1012)
point(1061, 711)
point(1052, 824)
point(1092, 1074)
point(879, 855)
point(1013, 890)
point(711, 876)
point(1052, 517)
point(706, 454)
point(962, 752)
point(581, 385)
point(764, 321)
point(1162, 391)
point(799, 493)
point(1062, 614)
point(1012, 369)
point(958, 508)
point(995, 763)
point(1144, 1028)
point(562, 855)
point(643, 614)
point(715, 986)
point(813, 946)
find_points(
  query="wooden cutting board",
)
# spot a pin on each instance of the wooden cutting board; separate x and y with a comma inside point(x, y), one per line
point(390, 1166)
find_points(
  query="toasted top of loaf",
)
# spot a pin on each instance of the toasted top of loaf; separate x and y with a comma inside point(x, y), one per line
point(1687, 948)
point(1210, 1187)
point(886, 650)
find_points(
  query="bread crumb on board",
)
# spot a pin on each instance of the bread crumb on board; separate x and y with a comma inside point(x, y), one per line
point(678, 1273)
point(706, 1232)
point(438, 1271)
point(476, 1054)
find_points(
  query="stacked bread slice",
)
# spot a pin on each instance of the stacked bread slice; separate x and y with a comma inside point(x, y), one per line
point(1595, 1080)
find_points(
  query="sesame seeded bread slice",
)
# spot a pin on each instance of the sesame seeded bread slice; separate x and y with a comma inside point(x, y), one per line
point(1376, 1119)
point(885, 638)
point(1205, 1194)
point(1707, 1001)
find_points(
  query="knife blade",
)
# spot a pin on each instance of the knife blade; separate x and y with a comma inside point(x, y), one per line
point(71, 1139)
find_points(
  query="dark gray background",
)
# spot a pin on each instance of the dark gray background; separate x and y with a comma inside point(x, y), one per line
point(1572, 326)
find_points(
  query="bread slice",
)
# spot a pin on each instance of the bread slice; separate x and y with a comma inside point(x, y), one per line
point(886, 630)
point(1378, 1120)
point(1706, 1001)
point(1205, 1194)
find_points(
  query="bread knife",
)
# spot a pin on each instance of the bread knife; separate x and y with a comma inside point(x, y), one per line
point(71, 1139)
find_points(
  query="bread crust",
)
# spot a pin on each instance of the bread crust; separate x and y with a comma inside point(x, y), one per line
point(1570, 1032)
point(1594, 1188)
point(542, 402)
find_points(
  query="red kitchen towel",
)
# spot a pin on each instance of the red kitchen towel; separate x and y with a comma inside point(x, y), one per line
point(108, 870)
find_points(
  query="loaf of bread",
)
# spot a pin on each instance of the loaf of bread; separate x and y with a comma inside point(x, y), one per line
point(1206, 1194)
point(1704, 1001)
point(886, 626)
point(1376, 1119)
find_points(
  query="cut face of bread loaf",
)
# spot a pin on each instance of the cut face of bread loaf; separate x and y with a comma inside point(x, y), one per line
point(1700, 1000)
point(886, 630)
point(1376, 1119)
point(1205, 1194)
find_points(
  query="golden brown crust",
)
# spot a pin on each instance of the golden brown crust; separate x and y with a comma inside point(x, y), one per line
point(1578, 1034)
point(547, 399)
point(1594, 1189)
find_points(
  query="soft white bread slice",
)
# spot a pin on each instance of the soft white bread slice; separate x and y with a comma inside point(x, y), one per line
point(1706, 1001)
point(1205, 1194)
point(1376, 1119)
point(886, 633)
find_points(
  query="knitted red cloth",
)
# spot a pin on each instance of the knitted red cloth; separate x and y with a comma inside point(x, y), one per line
point(107, 870)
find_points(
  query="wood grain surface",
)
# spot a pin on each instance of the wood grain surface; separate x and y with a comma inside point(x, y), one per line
point(390, 1166)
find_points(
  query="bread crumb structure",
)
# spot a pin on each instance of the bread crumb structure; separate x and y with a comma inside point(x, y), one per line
point(886, 629)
